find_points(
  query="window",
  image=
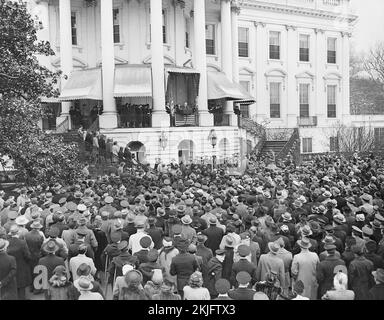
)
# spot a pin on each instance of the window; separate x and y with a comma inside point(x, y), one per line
point(245, 85)
point(275, 99)
point(304, 47)
point(331, 101)
point(333, 144)
point(307, 145)
point(243, 42)
point(210, 38)
point(274, 45)
point(74, 28)
point(331, 56)
point(186, 33)
point(116, 26)
point(304, 100)
point(244, 108)
point(164, 27)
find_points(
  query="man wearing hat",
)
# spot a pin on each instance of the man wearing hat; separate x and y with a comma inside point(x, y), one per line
point(12, 215)
point(222, 287)
point(50, 260)
point(117, 263)
point(183, 265)
point(166, 254)
point(108, 206)
point(214, 269)
point(154, 232)
point(271, 262)
point(18, 248)
point(81, 258)
point(147, 268)
point(243, 264)
point(187, 231)
point(242, 292)
point(304, 266)
point(214, 235)
point(360, 270)
point(8, 283)
point(325, 269)
point(146, 244)
point(377, 291)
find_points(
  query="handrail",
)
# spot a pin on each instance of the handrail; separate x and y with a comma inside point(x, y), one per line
point(63, 126)
point(95, 125)
point(289, 145)
point(251, 126)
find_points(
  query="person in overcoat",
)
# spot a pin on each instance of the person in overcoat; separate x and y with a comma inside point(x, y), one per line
point(325, 268)
point(8, 285)
point(377, 291)
point(360, 278)
point(243, 265)
point(214, 235)
point(304, 266)
point(270, 262)
point(166, 254)
point(19, 249)
point(205, 253)
point(183, 265)
point(34, 241)
point(214, 272)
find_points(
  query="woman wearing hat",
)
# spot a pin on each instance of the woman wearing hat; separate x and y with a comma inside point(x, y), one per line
point(58, 285)
point(134, 290)
point(195, 290)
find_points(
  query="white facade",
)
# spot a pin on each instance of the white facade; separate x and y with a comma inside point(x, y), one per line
point(141, 32)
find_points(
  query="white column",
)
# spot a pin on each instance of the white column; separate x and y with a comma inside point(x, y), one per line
point(235, 43)
point(200, 54)
point(41, 10)
point(226, 38)
point(290, 110)
point(180, 26)
point(226, 53)
point(346, 74)
point(108, 120)
point(321, 61)
point(160, 117)
point(262, 94)
point(65, 53)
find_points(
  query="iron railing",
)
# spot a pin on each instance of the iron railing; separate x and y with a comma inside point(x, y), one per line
point(291, 146)
point(251, 126)
point(307, 121)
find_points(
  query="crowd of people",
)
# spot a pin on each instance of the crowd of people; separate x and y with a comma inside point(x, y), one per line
point(296, 232)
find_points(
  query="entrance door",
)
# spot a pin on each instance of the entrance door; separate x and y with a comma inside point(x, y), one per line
point(186, 151)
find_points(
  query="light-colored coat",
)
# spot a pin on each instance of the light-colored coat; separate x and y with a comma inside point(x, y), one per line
point(304, 266)
point(165, 261)
point(270, 262)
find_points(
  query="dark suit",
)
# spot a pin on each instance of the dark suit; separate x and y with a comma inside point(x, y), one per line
point(19, 249)
point(51, 261)
point(325, 273)
point(377, 292)
point(214, 234)
point(214, 269)
point(34, 241)
point(182, 266)
point(206, 254)
point(243, 265)
point(241, 294)
point(157, 236)
point(8, 290)
point(360, 278)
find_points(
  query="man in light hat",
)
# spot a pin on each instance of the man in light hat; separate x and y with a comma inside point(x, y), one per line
point(8, 270)
point(81, 258)
point(108, 206)
point(271, 262)
point(187, 231)
point(304, 266)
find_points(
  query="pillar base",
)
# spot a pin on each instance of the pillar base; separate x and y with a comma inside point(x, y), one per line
point(205, 119)
point(160, 119)
point(108, 121)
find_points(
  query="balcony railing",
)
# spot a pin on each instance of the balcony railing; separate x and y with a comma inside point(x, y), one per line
point(252, 126)
point(331, 5)
point(183, 120)
point(307, 121)
point(221, 120)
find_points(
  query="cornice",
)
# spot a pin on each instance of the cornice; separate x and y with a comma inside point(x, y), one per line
point(289, 9)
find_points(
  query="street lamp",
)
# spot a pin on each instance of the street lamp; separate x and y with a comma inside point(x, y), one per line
point(163, 140)
point(213, 138)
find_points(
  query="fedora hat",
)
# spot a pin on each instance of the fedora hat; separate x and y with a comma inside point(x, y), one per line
point(85, 284)
point(186, 219)
point(229, 241)
point(36, 225)
point(306, 231)
point(50, 246)
point(304, 243)
point(273, 247)
point(3, 245)
point(286, 216)
point(379, 275)
point(21, 220)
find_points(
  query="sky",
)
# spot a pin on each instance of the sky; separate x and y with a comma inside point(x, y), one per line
point(370, 26)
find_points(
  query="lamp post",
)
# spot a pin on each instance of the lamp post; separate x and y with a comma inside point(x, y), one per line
point(163, 141)
point(213, 139)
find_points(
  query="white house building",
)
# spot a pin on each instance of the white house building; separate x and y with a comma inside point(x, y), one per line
point(217, 66)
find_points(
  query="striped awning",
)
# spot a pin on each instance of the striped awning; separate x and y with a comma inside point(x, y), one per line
point(133, 81)
point(83, 84)
point(220, 87)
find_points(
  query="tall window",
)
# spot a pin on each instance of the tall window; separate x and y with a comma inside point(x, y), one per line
point(74, 28)
point(187, 33)
point(304, 47)
point(307, 145)
point(331, 55)
point(164, 27)
point(274, 92)
point(243, 42)
point(333, 144)
point(244, 108)
point(274, 45)
point(116, 25)
point(210, 38)
point(331, 101)
point(304, 100)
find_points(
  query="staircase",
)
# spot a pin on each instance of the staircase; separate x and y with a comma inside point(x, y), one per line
point(275, 146)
